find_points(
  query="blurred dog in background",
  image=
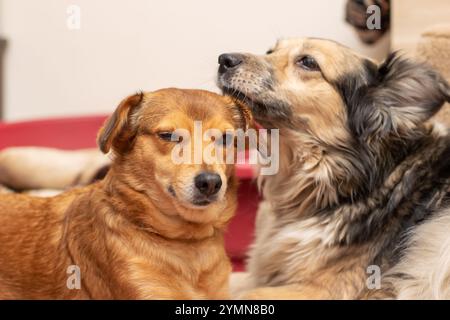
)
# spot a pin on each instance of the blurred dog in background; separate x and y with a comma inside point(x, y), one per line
point(47, 171)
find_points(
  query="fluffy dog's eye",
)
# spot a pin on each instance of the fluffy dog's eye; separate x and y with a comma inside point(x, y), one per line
point(169, 136)
point(308, 63)
point(269, 51)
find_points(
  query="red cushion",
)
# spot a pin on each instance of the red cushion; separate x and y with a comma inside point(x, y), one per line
point(63, 133)
point(81, 132)
point(240, 231)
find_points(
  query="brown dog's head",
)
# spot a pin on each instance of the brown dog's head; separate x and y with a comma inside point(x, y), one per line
point(341, 115)
point(153, 140)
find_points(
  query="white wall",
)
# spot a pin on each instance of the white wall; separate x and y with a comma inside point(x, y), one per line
point(124, 46)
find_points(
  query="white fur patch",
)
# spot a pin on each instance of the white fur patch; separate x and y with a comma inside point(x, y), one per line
point(426, 263)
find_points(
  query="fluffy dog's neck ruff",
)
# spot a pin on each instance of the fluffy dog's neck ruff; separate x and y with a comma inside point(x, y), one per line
point(314, 179)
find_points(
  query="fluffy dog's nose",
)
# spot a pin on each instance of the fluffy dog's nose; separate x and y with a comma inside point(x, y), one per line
point(229, 61)
point(208, 183)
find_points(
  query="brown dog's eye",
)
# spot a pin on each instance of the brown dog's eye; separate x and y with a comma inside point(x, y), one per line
point(308, 63)
point(169, 136)
point(269, 51)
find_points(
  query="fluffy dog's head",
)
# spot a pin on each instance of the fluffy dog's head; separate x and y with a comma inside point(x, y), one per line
point(147, 133)
point(344, 120)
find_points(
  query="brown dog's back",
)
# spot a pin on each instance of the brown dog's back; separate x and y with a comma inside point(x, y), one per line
point(31, 230)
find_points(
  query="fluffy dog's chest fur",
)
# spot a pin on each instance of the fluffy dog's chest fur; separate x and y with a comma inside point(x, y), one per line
point(302, 252)
point(332, 247)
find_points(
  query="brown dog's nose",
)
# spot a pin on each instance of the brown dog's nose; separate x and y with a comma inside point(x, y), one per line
point(229, 61)
point(208, 183)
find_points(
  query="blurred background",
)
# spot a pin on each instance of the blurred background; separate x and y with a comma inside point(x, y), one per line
point(51, 68)
point(80, 57)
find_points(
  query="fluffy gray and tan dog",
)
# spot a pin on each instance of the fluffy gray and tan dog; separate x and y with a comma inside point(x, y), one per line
point(364, 178)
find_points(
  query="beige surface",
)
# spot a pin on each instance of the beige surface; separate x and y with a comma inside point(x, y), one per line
point(409, 18)
point(434, 48)
point(421, 28)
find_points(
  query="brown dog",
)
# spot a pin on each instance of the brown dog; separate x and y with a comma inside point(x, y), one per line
point(152, 229)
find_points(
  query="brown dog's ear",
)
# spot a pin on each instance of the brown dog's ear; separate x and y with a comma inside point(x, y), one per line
point(245, 116)
point(118, 131)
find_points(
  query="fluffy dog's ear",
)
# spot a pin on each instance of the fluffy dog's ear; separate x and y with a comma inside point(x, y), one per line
point(118, 131)
point(396, 97)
